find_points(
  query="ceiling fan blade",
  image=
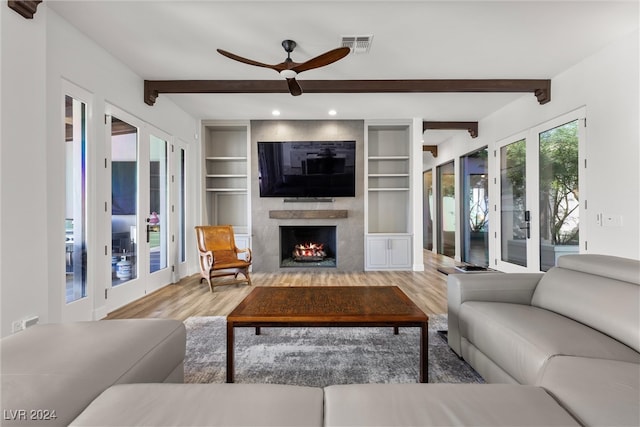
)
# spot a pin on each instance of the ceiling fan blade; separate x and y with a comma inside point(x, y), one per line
point(322, 60)
point(294, 87)
point(245, 60)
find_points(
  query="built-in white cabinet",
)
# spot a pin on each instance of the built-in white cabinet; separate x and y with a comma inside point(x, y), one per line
point(391, 252)
point(226, 177)
point(388, 196)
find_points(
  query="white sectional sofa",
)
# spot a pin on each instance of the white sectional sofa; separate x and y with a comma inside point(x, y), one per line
point(51, 372)
point(563, 344)
point(574, 331)
point(229, 405)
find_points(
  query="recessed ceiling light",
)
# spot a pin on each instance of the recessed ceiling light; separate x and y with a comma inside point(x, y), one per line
point(332, 112)
point(275, 113)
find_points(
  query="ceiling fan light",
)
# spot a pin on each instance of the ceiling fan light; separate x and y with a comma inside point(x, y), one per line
point(288, 74)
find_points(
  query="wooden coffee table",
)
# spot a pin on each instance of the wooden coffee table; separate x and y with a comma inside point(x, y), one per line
point(327, 306)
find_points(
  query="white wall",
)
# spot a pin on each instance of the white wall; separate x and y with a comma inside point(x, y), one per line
point(607, 84)
point(38, 57)
point(23, 227)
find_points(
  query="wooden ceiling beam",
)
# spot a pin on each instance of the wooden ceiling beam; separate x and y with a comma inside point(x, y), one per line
point(26, 8)
point(433, 149)
point(471, 127)
point(540, 88)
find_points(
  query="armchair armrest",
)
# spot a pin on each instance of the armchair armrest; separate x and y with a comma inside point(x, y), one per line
point(247, 251)
point(206, 261)
point(516, 288)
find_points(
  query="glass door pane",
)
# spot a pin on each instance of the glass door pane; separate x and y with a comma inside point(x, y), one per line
point(446, 210)
point(559, 195)
point(124, 201)
point(182, 194)
point(475, 214)
point(157, 222)
point(514, 220)
point(427, 209)
point(76, 194)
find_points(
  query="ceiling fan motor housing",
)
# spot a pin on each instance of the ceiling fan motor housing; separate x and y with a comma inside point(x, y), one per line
point(288, 45)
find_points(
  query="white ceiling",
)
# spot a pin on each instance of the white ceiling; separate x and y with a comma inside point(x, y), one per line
point(176, 40)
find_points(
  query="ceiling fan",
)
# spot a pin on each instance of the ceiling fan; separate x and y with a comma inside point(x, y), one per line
point(289, 69)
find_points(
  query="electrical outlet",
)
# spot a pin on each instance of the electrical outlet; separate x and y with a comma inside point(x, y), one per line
point(22, 324)
point(16, 326)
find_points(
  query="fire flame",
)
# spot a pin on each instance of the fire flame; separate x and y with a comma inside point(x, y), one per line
point(309, 250)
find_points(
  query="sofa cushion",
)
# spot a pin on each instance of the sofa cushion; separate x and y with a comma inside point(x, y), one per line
point(442, 405)
point(618, 268)
point(597, 290)
point(521, 338)
point(63, 367)
point(597, 392)
point(205, 405)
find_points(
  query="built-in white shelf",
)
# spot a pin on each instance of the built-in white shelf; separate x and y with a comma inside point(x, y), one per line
point(387, 191)
point(226, 175)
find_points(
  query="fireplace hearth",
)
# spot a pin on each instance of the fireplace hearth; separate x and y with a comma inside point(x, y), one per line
point(308, 246)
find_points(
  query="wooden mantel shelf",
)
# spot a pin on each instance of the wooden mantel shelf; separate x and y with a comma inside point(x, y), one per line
point(308, 214)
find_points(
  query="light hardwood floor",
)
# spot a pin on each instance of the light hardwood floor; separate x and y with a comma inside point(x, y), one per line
point(189, 297)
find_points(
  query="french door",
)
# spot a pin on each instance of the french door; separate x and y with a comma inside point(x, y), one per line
point(79, 148)
point(474, 225)
point(139, 215)
point(540, 180)
point(446, 194)
point(179, 209)
point(427, 210)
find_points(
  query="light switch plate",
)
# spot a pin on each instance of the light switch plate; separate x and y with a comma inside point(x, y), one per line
point(612, 220)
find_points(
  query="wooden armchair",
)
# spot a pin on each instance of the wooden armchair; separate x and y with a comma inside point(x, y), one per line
point(219, 255)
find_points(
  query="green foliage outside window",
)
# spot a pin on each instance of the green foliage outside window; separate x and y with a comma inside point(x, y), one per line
point(559, 195)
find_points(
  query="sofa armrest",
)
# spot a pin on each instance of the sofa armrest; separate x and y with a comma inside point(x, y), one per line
point(516, 288)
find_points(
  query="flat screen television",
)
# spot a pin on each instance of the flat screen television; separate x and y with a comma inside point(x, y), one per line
point(307, 169)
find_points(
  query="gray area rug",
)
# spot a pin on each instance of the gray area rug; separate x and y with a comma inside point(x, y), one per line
point(320, 356)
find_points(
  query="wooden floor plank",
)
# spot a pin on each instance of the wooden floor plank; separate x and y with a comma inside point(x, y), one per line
point(189, 297)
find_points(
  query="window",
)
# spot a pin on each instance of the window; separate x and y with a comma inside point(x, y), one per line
point(446, 209)
point(124, 201)
point(475, 208)
point(513, 211)
point(559, 193)
point(427, 210)
point(75, 199)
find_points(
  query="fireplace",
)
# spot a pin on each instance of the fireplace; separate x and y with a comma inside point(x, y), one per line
point(306, 246)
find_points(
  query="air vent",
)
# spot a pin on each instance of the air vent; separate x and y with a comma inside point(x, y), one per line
point(357, 44)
